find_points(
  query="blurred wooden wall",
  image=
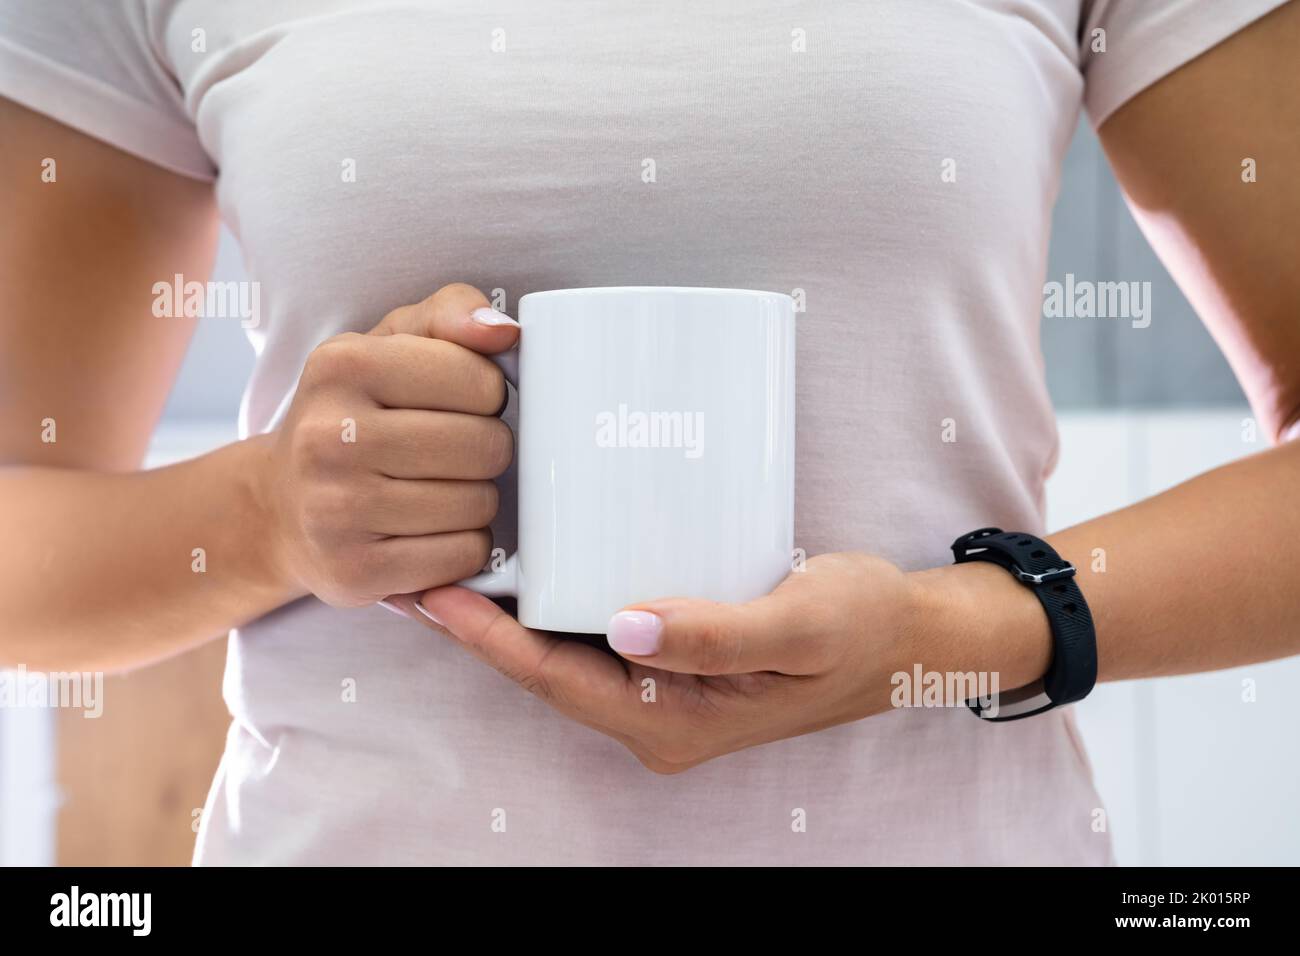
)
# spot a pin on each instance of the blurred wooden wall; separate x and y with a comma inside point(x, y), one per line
point(132, 778)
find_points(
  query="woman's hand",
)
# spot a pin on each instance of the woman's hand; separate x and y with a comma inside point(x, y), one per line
point(380, 479)
point(699, 679)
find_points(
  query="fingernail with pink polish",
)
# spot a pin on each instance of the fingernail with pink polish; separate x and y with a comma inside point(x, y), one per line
point(425, 611)
point(638, 633)
point(392, 607)
point(491, 317)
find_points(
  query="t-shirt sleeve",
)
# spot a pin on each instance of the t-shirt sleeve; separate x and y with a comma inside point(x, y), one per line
point(1146, 40)
point(94, 65)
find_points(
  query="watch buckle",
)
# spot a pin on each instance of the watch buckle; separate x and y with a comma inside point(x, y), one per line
point(1051, 574)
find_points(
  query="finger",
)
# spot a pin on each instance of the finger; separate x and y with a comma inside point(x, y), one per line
point(405, 564)
point(773, 633)
point(455, 313)
point(408, 371)
point(428, 506)
point(405, 443)
point(576, 679)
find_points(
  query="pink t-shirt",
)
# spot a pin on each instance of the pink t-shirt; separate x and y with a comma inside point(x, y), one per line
point(897, 162)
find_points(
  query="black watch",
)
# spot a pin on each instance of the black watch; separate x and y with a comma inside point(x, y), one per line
point(1036, 565)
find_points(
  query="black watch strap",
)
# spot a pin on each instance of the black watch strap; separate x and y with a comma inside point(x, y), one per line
point(1035, 564)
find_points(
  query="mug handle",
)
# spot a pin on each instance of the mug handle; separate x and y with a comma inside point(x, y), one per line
point(503, 583)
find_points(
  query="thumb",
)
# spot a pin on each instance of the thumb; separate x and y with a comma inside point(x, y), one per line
point(455, 313)
point(689, 636)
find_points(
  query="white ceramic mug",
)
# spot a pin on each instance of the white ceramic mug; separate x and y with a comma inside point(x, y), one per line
point(655, 451)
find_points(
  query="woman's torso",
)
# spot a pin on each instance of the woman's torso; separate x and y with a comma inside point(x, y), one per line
point(896, 174)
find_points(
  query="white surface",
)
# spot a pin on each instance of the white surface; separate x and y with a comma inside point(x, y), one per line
point(715, 493)
point(29, 798)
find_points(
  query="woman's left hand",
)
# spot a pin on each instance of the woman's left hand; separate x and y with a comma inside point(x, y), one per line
point(699, 679)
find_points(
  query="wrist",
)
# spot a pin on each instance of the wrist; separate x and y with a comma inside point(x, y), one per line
point(977, 617)
point(260, 530)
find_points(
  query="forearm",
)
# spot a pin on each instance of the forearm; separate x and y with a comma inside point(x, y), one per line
point(1201, 577)
point(100, 572)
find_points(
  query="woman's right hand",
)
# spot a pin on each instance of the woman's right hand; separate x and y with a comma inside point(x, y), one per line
point(379, 481)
